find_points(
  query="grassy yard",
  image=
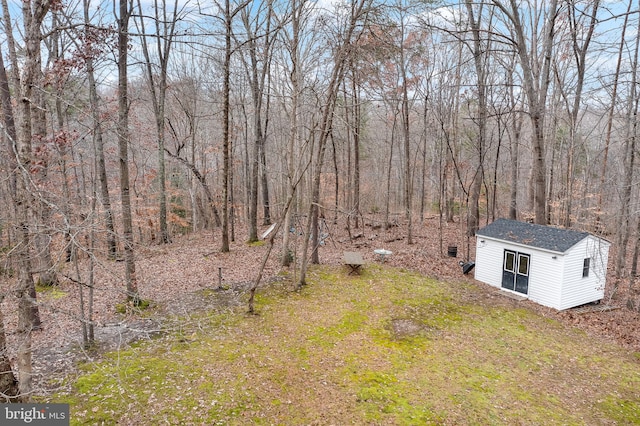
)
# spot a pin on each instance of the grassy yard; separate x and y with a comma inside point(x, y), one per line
point(388, 347)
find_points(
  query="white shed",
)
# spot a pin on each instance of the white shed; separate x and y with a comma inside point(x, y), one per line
point(554, 267)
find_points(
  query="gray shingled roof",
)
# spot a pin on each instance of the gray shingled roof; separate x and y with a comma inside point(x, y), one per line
point(540, 236)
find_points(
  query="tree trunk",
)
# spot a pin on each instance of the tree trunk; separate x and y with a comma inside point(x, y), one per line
point(11, 135)
point(45, 268)
point(8, 383)
point(340, 61)
point(286, 257)
point(123, 151)
point(33, 15)
point(357, 125)
point(408, 176)
point(580, 47)
point(28, 319)
point(479, 51)
point(264, 182)
point(225, 128)
point(387, 200)
point(63, 148)
point(423, 185)
point(99, 145)
point(612, 108)
point(536, 80)
point(633, 296)
point(165, 30)
point(266, 72)
point(260, 100)
point(25, 327)
point(514, 143)
point(91, 283)
point(631, 129)
point(253, 173)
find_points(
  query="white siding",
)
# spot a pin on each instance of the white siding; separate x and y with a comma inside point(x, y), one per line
point(488, 267)
point(577, 290)
point(545, 277)
point(489, 255)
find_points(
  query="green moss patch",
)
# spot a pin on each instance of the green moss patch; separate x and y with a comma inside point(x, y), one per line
point(386, 347)
point(134, 306)
point(50, 292)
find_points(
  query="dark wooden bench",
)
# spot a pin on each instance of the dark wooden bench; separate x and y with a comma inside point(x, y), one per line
point(354, 261)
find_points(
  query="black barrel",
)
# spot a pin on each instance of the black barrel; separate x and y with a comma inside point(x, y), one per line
point(467, 267)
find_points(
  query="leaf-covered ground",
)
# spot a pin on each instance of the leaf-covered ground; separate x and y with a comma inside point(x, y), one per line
point(387, 347)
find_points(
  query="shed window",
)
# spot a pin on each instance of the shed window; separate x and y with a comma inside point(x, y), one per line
point(585, 267)
point(509, 261)
point(523, 264)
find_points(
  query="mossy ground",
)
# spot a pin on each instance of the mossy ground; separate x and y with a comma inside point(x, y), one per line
point(50, 291)
point(385, 347)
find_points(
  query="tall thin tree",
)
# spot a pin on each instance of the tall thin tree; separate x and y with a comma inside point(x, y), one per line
point(536, 69)
point(164, 22)
point(90, 36)
point(8, 382)
point(131, 279)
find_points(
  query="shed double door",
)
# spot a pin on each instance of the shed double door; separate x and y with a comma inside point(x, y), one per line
point(515, 271)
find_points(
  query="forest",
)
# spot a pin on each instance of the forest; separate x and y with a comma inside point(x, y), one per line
point(126, 124)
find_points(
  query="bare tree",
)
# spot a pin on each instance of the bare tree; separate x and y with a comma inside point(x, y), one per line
point(91, 34)
point(164, 21)
point(610, 116)
point(404, 57)
point(293, 46)
point(354, 27)
point(33, 14)
point(185, 117)
point(514, 133)
point(8, 383)
point(131, 278)
point(623, 223)
point(580, 33)
point(480, 47)
point(260, 31)
point(228, 15)
point(535, 63)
